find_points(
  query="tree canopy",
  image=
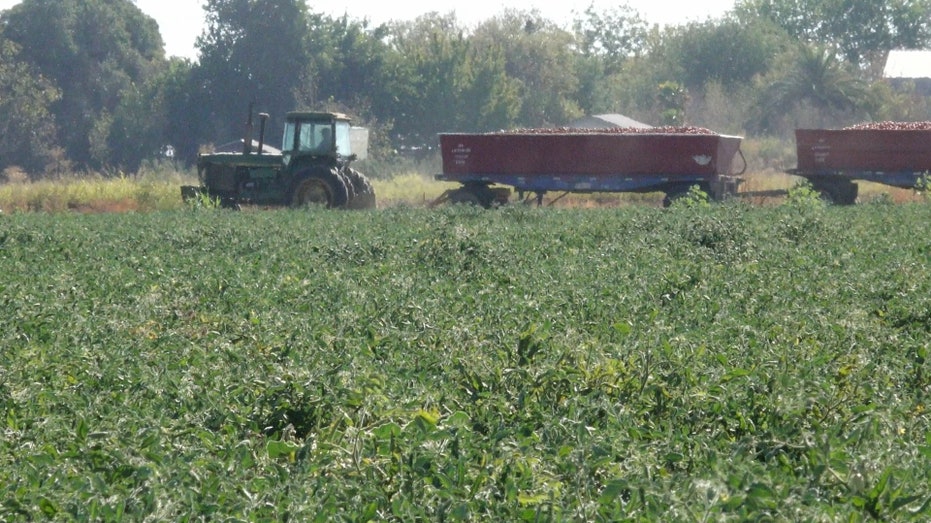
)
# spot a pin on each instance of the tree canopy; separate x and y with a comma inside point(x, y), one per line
point(92, 51)
point(27, 127)
point(861, 32)
point(86, 82)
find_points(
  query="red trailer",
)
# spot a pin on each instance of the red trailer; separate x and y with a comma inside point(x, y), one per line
point(891, 153)
point(669, 160)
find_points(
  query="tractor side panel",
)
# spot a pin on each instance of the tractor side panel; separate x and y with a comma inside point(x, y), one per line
point(221, 178)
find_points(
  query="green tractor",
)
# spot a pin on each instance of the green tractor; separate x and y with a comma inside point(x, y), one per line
point(312, 169)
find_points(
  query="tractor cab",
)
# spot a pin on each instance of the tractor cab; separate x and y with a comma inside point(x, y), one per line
point(316, 134)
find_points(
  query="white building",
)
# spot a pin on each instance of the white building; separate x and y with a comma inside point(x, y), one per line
point(909, 66)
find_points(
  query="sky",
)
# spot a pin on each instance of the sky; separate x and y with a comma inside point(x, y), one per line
point(181, 21)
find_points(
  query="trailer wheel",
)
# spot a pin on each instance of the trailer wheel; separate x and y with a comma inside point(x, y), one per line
point(838, 193)
point(471, 195)
point(324, 189)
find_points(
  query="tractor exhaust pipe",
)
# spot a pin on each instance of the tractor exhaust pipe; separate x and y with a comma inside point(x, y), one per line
point(247, 139)
point(263, 118)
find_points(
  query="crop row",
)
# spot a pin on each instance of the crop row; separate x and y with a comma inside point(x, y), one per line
point(725, 363)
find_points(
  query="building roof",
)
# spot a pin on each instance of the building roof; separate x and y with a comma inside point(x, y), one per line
point(908, 64)
point(602, 121)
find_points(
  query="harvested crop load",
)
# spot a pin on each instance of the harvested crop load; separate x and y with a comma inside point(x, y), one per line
point(613, 130)
point(890, 126)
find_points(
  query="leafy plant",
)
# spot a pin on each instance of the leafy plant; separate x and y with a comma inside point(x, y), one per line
point(923, 185)
point(603, 364)
point(695, 197)
point(803, 194)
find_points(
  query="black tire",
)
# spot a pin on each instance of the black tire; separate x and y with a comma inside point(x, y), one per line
point(347, 183)
point(230, 203)
point(838, 193)
point(478, 195)
point(364, 192)
point(325, 189)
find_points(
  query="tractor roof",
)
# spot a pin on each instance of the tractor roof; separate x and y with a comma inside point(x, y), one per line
point(313, 115)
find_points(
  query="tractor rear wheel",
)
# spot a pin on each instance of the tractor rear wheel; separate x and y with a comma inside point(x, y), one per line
point(324, 189)
point(364, 192)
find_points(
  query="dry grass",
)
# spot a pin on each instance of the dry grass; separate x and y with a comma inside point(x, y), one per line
point(415, 190)
point(94, 193)
point(160, 191)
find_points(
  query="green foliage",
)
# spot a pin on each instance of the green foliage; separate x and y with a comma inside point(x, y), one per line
point(611, 37)
point(695, 197)
point(457, 364)
point(27, 126)
point(537, 56)
point(860, 35)
point(203, 201)
point(253, 51)
point(813, 84)
point(671, 99)
point(454, 82)
point(923, 185)
point(93, 51)
point(728, 52)
point(803, 194)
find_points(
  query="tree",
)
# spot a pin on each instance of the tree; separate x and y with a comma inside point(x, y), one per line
point(540, 57)
point(610, 36)
point(605, 42)
point(815, 81)
point(349, 73)
point(27, 126)
point(861, 32)
point(348, 61)
point(251, 50)
point(93, 50)
point(728, 52)
point(447, 81)
point(145, 121)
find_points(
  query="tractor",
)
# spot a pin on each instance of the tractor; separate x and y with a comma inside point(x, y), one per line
point(312, 168)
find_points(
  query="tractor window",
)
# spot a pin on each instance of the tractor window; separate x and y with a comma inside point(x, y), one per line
point(342, 138)
point(287, 143)
point(315, 137)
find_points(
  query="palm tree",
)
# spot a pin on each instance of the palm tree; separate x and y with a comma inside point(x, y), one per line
point(817, 87)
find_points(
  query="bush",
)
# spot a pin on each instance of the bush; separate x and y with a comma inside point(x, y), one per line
point(803, 194)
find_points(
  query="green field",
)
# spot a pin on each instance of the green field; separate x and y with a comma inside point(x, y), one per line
point(723, 363)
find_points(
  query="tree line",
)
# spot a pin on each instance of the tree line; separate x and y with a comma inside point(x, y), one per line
point(86, 84)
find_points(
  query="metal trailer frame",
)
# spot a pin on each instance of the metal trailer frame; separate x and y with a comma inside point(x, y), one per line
point(718, 187)
point(906, 179)
point(839, 186)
